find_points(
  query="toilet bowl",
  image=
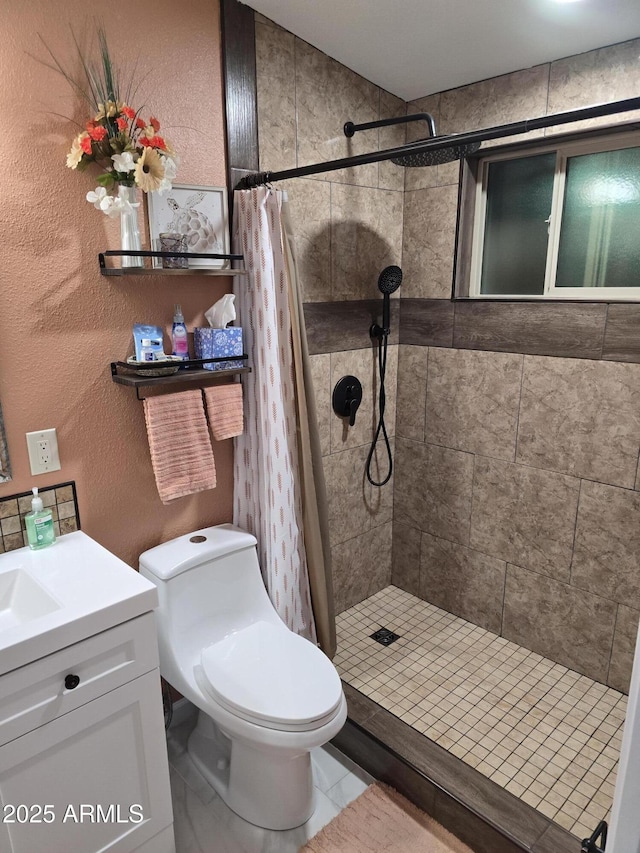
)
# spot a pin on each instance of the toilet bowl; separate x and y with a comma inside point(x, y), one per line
point(266, 696)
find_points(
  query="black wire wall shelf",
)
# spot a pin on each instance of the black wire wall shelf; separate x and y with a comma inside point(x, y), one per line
point(223, 270)
point(190, 371)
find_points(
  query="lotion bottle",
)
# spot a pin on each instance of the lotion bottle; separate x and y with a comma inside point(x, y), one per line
point(39, 524)
point(179, 340)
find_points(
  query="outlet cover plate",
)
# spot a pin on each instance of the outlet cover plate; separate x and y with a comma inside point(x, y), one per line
point(43, 451)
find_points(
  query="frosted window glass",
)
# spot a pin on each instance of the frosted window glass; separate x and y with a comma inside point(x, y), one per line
point(600, 233)
point(519, 194)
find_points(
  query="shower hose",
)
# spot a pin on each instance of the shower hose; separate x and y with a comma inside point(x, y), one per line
point(381, 428)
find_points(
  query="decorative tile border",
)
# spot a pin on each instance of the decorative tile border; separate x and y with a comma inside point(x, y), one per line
point(61, 498)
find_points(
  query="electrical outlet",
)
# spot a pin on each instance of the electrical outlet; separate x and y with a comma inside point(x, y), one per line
point(43, 451)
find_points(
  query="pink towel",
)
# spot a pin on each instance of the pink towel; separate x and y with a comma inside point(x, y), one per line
point(224, 408)
point(181, 452)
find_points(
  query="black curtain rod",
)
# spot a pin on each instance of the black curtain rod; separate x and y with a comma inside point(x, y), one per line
point(439, 142)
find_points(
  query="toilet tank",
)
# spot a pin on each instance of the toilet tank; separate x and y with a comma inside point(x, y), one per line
point(209, 585)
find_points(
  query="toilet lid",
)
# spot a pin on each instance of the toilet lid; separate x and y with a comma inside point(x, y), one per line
point(269, 675)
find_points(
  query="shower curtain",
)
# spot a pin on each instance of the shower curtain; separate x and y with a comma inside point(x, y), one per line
point(278, 478)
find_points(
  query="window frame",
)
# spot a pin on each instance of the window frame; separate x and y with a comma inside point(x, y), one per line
point(472, 213)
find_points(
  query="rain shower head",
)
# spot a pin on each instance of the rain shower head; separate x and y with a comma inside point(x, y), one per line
point(434, 158)
point(424, 158)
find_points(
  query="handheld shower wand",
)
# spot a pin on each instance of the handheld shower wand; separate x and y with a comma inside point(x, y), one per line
point(389, 281)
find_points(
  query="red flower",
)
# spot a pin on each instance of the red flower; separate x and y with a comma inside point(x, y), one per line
point(158, 142)
point(85, 144)
point(144, 141)
point(97, 133)
point(130, 114)
point(140, 124)
point(155, 124)
point(122, 123)
point(91, 124)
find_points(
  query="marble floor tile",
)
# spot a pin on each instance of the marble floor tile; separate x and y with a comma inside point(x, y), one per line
point(203, 823)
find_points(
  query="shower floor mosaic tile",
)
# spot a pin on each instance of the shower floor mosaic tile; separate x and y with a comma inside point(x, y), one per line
point(547, 734)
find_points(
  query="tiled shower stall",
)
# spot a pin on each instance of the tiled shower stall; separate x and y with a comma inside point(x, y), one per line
point(513, 514)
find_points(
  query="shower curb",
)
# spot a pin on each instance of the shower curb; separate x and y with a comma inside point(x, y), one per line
point(478, 811)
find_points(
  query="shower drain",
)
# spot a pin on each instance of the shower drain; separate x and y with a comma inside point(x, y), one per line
point(384, 636)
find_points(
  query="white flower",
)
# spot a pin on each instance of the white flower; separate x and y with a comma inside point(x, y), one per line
point(170, 170)
point(123, 162)
point(110, 205)
point(95, 197)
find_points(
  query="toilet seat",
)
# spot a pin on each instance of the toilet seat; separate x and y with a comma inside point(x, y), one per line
point(271, 677)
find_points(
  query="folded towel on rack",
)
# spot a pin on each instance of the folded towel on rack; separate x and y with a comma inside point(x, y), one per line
point(181, 452)
point(224, 409)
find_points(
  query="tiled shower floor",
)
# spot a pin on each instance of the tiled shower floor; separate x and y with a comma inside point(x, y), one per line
point(547, 734)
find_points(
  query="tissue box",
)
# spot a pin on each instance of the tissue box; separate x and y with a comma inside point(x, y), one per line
point(219, 343)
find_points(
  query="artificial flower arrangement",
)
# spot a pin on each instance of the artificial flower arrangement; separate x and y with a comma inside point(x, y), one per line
point(130, 150)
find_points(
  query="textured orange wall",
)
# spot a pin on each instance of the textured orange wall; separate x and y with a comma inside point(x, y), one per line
point(61, 323)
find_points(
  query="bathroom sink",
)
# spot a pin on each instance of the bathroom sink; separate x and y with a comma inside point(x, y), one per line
point(22, 599)
point(58, 596)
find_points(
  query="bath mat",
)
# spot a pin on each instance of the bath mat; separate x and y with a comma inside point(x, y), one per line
point(383, 821)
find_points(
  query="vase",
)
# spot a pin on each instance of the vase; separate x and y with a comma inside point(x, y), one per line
point(129, 231)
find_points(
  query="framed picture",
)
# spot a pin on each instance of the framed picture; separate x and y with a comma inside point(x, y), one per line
point(200, 213)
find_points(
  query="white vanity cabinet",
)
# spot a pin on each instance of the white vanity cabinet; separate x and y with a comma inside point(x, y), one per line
point(83, 760)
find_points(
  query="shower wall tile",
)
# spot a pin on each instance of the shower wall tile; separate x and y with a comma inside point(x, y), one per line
point(426, 322)
point(624, 643)
point(622, 333)
point(462, 581)
point(436, 491)
point(390, 176)
point(361, 567)
point(420, 178)
point(428, 247)
point(607, 548)
point(347, 494)
point(496, 101)
point(472, 401)
point(366, 237)
point(327, 95)
point(339, 326)
point(405, 564)
point(411, 392)
point(607, 74)
point(380, 498)
point(542, 328)
point(524, 516)
point(310, 203)
point(581, 417)
point(276, 92)
point(321, 376)
point(573, 627)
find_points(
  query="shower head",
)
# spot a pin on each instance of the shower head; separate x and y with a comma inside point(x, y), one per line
point(426, 158)
point(390, 280)
point(434, 158)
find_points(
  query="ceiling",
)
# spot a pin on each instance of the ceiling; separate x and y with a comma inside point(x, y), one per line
point(413, 48)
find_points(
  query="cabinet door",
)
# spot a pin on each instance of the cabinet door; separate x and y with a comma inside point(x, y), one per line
point(102, 770)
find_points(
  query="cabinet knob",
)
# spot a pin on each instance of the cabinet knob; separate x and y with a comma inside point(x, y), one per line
point(71, 681)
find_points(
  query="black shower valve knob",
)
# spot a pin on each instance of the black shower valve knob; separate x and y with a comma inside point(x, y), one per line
point(347, 396)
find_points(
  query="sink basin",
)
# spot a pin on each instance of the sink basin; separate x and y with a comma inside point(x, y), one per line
point(22, 599)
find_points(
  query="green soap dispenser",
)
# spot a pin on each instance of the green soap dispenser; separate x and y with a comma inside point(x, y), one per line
point(39, 524)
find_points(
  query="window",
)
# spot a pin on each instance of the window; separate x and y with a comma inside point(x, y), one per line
point(559, 221)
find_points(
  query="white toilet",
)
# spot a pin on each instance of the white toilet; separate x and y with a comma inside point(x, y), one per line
point(266, 695)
